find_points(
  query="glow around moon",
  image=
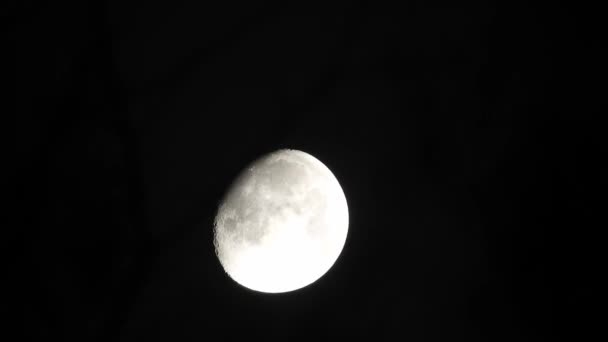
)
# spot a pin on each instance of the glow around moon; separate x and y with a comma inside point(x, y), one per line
point(282, 224)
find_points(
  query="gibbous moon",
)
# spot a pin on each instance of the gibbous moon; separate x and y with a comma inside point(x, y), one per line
point(282, 223)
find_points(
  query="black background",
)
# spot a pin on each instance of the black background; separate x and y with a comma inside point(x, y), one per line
point(463, 137)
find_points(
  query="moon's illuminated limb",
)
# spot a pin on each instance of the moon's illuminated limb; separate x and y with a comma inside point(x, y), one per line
point(282, 224)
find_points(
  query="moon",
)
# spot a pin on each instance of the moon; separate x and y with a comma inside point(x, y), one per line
point(282, 224)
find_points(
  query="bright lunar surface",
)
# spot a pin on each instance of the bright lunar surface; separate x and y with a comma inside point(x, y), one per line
point(282, 224)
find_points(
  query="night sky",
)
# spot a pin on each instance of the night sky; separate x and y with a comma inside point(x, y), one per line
point(463, 136)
